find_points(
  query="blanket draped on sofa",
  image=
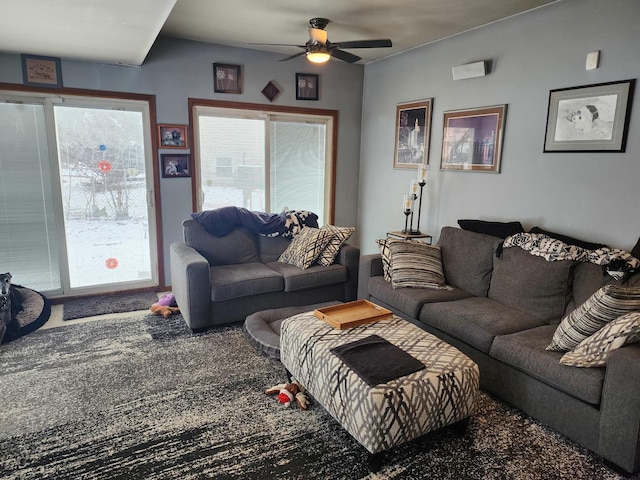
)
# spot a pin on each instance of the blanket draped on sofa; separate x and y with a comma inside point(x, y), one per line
point(617, 263)
point(222, 221)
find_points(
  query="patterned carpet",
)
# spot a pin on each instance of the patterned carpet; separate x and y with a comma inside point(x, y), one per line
point(143, 398)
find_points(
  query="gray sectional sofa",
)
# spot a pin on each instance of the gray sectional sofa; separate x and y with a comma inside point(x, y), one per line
point(221, 280)
point(503, 312)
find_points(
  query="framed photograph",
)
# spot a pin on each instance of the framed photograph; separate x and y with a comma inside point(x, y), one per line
point(38, 71)
point(226, 78)
point(591, 118)
point(472, 139)
point(306, 86)
point(172, 136)
point(175, 165)
point(413, 127)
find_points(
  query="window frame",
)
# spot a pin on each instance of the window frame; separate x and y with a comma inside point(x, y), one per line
point(106, 99)
point(239, 109)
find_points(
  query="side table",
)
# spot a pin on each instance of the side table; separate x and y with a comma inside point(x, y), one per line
point(411, 236)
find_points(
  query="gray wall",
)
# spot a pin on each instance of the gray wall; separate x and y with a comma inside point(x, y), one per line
point(594, 196)
point(176, 70)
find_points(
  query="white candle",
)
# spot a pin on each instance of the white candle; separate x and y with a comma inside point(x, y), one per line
point(413, 188)
point(422, 173)
point(406, 203)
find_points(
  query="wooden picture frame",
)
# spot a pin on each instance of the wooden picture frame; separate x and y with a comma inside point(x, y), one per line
point(590, 118)
point(472, 139)
point(226, 78)
point(307, 86)
point(39, 71)
point(172, 136)
point(175, 165)
point(413, 132)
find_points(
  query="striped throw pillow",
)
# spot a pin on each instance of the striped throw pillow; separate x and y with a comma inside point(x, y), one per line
point(607, 304)
point(306, 246)
point(595, 350)
point(416, 264)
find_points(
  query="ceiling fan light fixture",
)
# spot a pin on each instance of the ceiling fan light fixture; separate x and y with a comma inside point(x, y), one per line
point(318, 57)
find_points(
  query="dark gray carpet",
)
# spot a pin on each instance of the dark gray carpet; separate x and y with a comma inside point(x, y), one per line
point(143, 398)
point(103, 304)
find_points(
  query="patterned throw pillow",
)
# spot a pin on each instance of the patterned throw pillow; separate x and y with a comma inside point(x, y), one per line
point(416, 264)
point(306, 246)
point(595, 350)
point(339, 236)
point(605, 305)
point(385, 255)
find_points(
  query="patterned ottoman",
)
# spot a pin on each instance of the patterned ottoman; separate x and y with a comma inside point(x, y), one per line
point(390, 413)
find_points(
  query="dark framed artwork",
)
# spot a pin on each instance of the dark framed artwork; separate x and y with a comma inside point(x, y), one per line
point(175, 165)
point(39, 71)
point(472, 139)
point(172, 136)
point(413, 127)
point(591, 118)
point(270, 91)
point(307, 86)
point(226, 78)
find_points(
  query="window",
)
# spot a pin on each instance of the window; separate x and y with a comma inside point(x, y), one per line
point(76, 184)
point(264, 160)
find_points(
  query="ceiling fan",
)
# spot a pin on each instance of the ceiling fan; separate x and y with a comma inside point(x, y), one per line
point(319, 49)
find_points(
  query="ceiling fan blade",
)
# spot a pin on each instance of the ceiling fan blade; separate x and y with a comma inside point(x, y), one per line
point(279, 44)
point(345, 56)
point(317, 35)
point(292, 57)
point(380, 43)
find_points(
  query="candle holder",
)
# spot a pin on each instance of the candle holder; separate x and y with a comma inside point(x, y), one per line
point(407, 209)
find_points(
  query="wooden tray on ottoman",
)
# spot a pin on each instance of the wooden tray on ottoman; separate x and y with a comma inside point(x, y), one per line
point(352, 314)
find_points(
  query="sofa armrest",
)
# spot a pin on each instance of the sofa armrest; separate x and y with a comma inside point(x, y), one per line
point(349, 256)
point(620, 409)
point(370, 266)
point(190, 284)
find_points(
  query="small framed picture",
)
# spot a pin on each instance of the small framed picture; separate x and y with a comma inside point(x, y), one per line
point(175, 165)
point(226, 78)
point(591, 118)
point(413, 127)
point(472, 139)
point(172, 136)
point(38, 71)
point(306, 86)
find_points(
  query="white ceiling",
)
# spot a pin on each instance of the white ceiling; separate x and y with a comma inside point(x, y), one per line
point(123, 31)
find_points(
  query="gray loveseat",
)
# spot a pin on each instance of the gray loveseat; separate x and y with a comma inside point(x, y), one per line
point(503, 312)
point(221, 280)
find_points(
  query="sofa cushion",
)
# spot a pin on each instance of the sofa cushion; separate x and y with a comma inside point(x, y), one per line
point(531, 284)
point(476, 320)
point(339, 237)
point(526, 351)
point(238, 247)
point(409, 301)
point(416, 264)
point(314, 276)
point(595, 350)
point(495, 229)
point(588, 278)
point(270, 248)
point(242, 280)
point(306, 246)
point(607, 304)
point(467, 259)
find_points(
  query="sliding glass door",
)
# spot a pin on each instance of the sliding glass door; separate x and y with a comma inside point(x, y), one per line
point(263, 161)
point(78, 194)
